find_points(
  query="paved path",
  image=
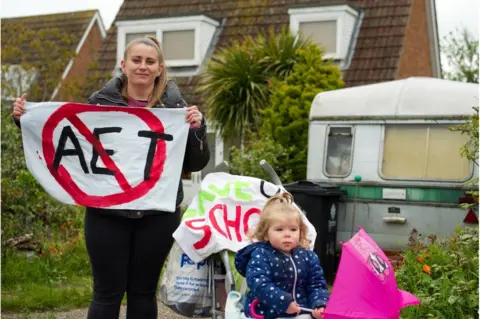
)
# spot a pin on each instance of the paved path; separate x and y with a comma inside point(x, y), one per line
point(163, 313)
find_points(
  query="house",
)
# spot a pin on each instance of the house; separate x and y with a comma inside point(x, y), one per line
point(87, 32)
point(371, 40)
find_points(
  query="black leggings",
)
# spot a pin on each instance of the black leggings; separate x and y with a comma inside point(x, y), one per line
point(127, 255)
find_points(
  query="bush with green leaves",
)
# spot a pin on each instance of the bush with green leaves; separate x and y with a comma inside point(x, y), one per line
point(286, 118)
point(26, 207)
point(236, 82)
point(469, 151)
point(246, 161)
point(59, 277)
point(443, 274)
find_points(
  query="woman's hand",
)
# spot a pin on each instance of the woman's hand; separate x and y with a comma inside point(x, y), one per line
point(19, 106)
point(318, 313)
point(293, 307)
point(194, 117)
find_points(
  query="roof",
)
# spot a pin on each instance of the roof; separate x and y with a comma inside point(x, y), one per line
point(415, 97)
point(73, 23)
point(378, 46)
point(76, 24)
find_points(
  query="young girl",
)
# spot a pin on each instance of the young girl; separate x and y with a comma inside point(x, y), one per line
point(282, 275)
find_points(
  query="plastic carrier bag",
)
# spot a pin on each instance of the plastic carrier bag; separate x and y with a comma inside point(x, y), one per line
point(184, 285)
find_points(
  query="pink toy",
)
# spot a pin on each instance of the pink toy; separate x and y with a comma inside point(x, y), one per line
point(365, 285)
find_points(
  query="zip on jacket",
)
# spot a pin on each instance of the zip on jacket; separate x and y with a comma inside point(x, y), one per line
point(295, 273)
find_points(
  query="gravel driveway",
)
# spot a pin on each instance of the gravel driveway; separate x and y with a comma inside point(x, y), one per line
point(163, 313)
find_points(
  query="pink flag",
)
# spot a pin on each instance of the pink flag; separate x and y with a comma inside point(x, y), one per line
point(365, 285)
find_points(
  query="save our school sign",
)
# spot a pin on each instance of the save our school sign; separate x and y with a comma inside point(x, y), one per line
point(106, 156)
point(223, 213)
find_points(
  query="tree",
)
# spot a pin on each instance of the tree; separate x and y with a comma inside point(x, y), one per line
point(278, 53)
point(470, 149)
point(235, 89)
point(246, 161)
point(286, 119)
point(462, 56)
point(34, 60)
point(236, 83)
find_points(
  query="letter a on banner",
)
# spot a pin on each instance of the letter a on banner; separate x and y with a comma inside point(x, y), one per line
point(78, 158)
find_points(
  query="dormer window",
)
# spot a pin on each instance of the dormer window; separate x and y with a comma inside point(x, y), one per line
point(184, 40)
point(331, 27)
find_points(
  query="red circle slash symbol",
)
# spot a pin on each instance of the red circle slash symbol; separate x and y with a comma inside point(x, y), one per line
point(62, 176)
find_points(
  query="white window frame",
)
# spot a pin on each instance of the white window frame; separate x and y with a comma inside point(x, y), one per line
point(219, 157)
point(325, 150)
point(158, 26)
point(321, 14)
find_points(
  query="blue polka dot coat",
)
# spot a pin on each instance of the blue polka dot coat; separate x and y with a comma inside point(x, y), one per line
point(277, 279)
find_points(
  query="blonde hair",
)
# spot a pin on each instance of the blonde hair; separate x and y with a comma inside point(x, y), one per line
point(279, 206)
point(160, 83)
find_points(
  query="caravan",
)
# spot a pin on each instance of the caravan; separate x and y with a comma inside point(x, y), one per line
point(389, 147)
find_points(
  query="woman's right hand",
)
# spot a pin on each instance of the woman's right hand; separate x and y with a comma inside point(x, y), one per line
point(19, 106)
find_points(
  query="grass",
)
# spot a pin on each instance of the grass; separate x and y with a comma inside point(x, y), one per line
point(57, 279)
point(41, 297)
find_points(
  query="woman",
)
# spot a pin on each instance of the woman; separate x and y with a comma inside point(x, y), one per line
point(127, 249)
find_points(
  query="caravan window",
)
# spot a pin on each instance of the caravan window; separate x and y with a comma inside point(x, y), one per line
point(424, 152)
point(338, 160)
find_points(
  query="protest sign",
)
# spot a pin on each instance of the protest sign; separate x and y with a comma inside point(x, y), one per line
point(106, 156)
point(222, 213)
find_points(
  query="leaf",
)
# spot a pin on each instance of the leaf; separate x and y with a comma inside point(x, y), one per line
point(452, 299)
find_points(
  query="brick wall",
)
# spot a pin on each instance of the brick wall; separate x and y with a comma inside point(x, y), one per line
point(81, 62)
point(415, 58)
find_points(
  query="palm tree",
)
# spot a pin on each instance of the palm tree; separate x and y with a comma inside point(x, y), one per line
point(235, 89)
point(278, 52)
point(235, 84)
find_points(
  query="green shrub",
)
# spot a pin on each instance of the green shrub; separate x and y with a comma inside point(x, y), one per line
point(59, 277)
point(235, 84)
point(286, 119)
point(26, 207)
point(246, 161)
point(443, 274)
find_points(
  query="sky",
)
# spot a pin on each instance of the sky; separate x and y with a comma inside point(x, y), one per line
point(451, 14)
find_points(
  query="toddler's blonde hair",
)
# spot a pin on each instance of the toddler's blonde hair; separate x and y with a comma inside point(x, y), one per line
point(278, 207)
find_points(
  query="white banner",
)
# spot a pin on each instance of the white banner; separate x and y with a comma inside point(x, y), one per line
point(222, 213)
point(106, 156)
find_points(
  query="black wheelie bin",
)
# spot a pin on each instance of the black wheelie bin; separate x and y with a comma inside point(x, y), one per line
point(320, 203)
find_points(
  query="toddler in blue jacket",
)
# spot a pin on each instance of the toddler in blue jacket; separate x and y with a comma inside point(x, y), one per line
point(282, 273)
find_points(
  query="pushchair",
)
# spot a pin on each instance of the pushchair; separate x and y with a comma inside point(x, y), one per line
point(231, 305)
point(364, 286)
point(222, 275)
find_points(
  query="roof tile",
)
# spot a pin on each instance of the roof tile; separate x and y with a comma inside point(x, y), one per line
point(376, 54)
point(73, 23)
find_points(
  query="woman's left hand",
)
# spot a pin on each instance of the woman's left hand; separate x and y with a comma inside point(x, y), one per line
point(318, 313)
point(194, 116)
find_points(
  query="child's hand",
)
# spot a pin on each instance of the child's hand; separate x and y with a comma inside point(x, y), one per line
point(318, 313)
point(293, 307)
